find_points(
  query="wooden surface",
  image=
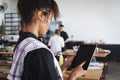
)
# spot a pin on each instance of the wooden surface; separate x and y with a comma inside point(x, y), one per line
point(70, 52)
point(104, 54)
point(5, 63)
point(90, 74)
point(6, 52)
point(4, 73)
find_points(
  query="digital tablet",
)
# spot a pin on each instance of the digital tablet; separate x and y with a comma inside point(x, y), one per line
point(84, 53)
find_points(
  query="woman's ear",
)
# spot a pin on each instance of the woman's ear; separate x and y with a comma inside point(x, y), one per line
point(39, 15)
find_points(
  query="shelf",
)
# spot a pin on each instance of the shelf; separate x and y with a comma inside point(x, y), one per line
point(11, 23)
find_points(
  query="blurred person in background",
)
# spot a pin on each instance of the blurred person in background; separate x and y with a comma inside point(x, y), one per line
point(63, 34)
point(56, 43)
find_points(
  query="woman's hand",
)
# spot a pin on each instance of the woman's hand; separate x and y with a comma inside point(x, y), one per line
point(77, 72)
point(67, 63)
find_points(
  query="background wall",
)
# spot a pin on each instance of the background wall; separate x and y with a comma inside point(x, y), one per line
point(91, 20)
point(87, 20)
point(11, 8)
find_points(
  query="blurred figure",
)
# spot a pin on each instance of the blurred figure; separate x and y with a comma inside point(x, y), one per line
point(63, 33)
point(56, 42)
point(65, 37)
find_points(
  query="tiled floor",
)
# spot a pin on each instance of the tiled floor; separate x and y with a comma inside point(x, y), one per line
point(113, 71)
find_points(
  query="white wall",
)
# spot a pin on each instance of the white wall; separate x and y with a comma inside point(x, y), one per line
point(11, 8)
point(91, 20)
point(88, 20)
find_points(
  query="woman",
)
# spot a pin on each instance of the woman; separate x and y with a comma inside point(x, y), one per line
point(32, 59)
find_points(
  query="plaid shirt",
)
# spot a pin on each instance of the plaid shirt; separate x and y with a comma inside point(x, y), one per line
point(21, 51)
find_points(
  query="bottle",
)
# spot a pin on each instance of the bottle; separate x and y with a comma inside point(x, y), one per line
point(61, 59)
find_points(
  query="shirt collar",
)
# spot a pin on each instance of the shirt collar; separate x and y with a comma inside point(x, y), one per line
point(24, 35)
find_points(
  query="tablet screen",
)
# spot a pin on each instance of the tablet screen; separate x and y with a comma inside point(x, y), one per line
point(84, 53)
